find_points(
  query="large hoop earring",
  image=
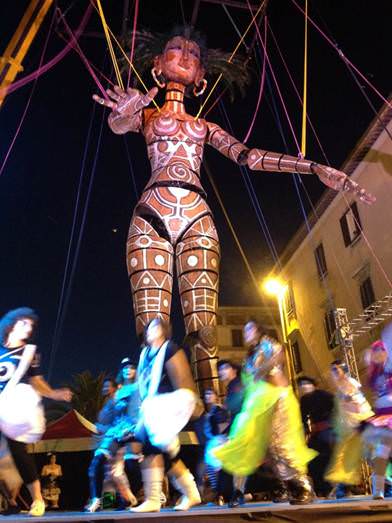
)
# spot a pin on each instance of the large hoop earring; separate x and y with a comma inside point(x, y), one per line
point(202, 89)
point(155, 74)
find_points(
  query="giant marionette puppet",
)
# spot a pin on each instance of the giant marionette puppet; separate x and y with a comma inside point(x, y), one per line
point(172, 222)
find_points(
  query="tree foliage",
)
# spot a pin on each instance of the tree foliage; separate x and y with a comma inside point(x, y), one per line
point(87, 394)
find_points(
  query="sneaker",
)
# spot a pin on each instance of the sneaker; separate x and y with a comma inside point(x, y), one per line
point(237, 499)
point(37, 508)
point(94, 505)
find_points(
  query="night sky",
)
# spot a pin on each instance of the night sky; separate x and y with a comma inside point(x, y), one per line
point(38, 187)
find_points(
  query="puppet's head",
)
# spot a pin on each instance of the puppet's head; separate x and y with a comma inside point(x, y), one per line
point(182, 56)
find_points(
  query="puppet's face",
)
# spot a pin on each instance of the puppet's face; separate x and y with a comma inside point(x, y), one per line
point(180, 61)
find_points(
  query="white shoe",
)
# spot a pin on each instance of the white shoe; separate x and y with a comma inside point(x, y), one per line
point(187, 486)
point(94, 505)
point(187, 503)
point(37, 508)
point(148, 506)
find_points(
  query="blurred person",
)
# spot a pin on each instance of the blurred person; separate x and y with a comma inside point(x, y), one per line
point(352, 411)
point(378, 431)
point(269, 423)
point(168, 395)
point(51, 473)
point(118, 420)
point(22, 385)
point(317, 408)
point(216, 424)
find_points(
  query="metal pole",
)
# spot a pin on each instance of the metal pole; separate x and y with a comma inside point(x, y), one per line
point(345, 339)
point(11, 61)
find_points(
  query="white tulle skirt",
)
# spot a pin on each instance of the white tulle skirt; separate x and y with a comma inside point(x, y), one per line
point(21, 414)
point(165, 415)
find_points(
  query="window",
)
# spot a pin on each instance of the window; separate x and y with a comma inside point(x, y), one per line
point(320, 261)
point(351, 225)
point(367, 293)
point(290, 301)
point(330, 329)
point(236, 338)
point(296, 355)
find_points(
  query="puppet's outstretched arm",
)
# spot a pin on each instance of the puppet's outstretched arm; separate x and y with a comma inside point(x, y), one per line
point(260, 160)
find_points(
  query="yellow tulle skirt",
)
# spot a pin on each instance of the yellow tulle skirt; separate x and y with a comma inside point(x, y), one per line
point(270, 418)
point(346, 461)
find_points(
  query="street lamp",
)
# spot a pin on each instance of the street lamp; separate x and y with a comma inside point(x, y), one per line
point(277, 288)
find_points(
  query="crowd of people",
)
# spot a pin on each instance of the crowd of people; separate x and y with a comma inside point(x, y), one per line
point(304, 441)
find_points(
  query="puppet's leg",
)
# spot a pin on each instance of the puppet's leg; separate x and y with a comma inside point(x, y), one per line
point(150, 268)
point(197, 257)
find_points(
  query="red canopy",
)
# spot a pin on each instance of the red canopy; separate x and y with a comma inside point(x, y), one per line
point(71, 425)
point(70, 433)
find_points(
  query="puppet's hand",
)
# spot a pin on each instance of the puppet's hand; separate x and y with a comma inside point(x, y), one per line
point(339, 181)
point(126, 108)
point(128, 102)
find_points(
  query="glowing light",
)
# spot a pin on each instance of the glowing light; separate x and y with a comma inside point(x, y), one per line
point(274, 287)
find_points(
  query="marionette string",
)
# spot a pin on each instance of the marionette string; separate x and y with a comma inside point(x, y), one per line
point(110, 45)
point(128, 60)
point(70, 268)
point(230, 58)
point(134, 26)
point(312, 127)
point(252, 195)
point(342, 55)
point(55, 60)
point(22, 119)
point(78, 49)
point(305, 88)
point(261, 88)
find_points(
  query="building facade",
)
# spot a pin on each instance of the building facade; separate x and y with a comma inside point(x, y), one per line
point(230, 323)
point(342, 258)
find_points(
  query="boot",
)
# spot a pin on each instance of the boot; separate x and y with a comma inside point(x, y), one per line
point(301, 491)
point(378, 486)
point(152, 483)
point(187, 486)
